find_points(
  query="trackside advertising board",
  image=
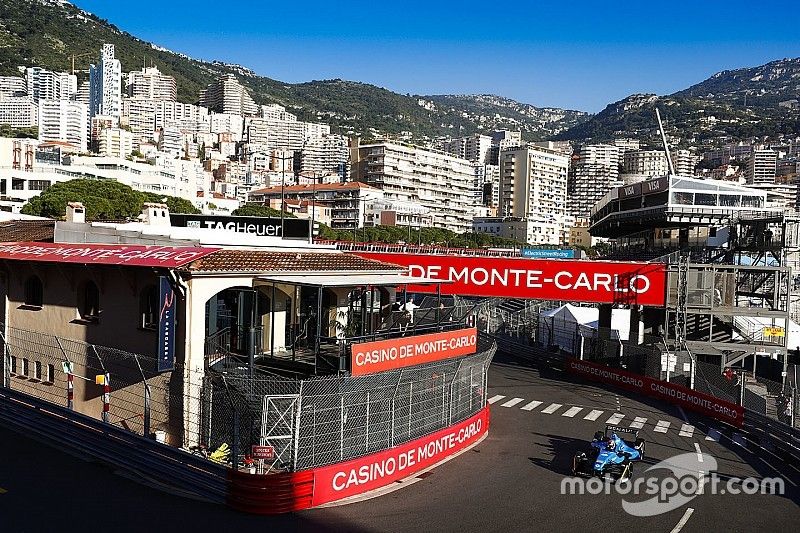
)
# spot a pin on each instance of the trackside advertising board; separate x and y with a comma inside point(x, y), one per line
point(379, 356)
point(569, 280)
point(350, 478)
point(661, 390)
point(104, 254)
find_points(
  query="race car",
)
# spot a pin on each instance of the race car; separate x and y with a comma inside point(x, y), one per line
point(609, 455)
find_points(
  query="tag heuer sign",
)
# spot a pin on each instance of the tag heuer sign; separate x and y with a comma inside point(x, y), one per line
point(293, 228)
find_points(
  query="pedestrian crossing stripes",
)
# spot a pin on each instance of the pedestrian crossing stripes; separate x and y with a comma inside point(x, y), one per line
point(512, 402)
point(572, 411)
point(662, 426)
point(615, 419)
point(531, 406)
point(496, 398)
point(593, 415)
point(687, 430)
point(638, 423)
point(552, 408)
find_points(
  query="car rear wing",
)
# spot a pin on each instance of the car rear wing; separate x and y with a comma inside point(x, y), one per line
point(618, 429)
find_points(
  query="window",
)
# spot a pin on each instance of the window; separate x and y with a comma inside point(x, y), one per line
point(33, 292)
point(37, 370)
point(38, 185)
point(25, 367)
point(149, 308)
point(89, 302)
point(13, 365)
point(51, 373)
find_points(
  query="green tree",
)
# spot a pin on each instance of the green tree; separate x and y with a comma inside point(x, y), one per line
point(258, 210)
point(103, 200)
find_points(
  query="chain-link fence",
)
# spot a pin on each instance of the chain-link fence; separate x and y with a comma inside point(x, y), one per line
point(323, 420)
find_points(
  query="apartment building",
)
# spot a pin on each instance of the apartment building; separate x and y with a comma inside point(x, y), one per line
point(382, 212)
point(684, 162)
point(115, 142)
point(650, 163)
point(475, 148)
point(43, 84)
point(594, 172)
point(65, 121)
point(227, 95)
point(533, 186)
point(761, 167)
point(105, 85)
point(348, 201)
point(327, 154)
point(13, 86)
point(278, 134)
point(150, 83)
point(406, 173)
point(18, 111)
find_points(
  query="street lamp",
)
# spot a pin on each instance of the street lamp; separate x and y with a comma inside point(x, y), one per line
point(283, 184)
point(314, 179)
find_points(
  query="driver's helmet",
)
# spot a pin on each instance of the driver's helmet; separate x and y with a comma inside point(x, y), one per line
point(611, 443)
point(598, 436)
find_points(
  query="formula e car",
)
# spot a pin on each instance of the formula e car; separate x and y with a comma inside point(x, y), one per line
point(609, 455)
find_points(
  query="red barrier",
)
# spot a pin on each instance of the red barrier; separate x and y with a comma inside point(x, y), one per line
point(616, 282)
point(293, 491)
point(364, 474)
point(662, 390)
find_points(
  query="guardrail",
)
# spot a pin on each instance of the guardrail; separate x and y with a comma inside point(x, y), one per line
point(151, 460)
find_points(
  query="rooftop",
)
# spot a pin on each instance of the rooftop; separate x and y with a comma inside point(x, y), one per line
point(271, 262)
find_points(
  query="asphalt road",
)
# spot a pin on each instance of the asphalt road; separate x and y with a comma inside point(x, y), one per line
point(509, 482)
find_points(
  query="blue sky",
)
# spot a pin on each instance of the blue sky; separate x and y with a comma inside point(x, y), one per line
point(578, 55)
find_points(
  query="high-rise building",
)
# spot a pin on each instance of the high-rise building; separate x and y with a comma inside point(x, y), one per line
point(407, 173)
point(324, 155)
point(105, 85)
point(227, 95)
point(475, 148)
point(43, 84)
point(65, 121)
point(650, 163)
point(13, 86)
point(152, 84)
point(684, 162)
point(761, 167)
point(533, 186)
point(594, 172)
point(503, 140)
point(290, 134)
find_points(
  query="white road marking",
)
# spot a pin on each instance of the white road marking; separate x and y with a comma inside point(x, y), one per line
point(638, 423)
point(572, 411)
point(662, 426)
point(687, 430)
point(512, 402)
point(593, 415)
point(552, 408)
point(496, 398)
point(739, 439)
point(713, 434)
point(531, 406)
point(682, 521)
point(615, 418)
point(699, 453)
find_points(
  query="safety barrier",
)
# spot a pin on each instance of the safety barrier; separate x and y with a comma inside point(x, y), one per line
point(152, 461)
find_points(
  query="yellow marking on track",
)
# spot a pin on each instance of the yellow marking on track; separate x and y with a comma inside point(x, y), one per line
point(2, 490)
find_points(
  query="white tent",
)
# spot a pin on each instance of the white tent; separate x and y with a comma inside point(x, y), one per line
point(563, 326)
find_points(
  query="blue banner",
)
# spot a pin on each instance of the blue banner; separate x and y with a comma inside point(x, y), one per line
point(548, 254)
point(166, 325)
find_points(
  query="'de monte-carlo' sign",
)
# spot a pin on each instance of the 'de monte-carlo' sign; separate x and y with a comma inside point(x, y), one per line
point(104, 254)
point(379, 356)
point(293, 228)
point(584, 281)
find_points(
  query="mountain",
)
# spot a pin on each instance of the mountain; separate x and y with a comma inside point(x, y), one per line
point(49, 33)
point(730, 105)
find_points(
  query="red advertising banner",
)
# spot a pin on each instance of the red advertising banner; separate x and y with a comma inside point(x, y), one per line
point(379, 356)
point(578, 281)
point(662, 390)
point(104, 254)
point(339, 481)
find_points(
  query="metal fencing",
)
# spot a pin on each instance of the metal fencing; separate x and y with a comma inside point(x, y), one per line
point(324, 420)
point(532, 330)
point(309, 422)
